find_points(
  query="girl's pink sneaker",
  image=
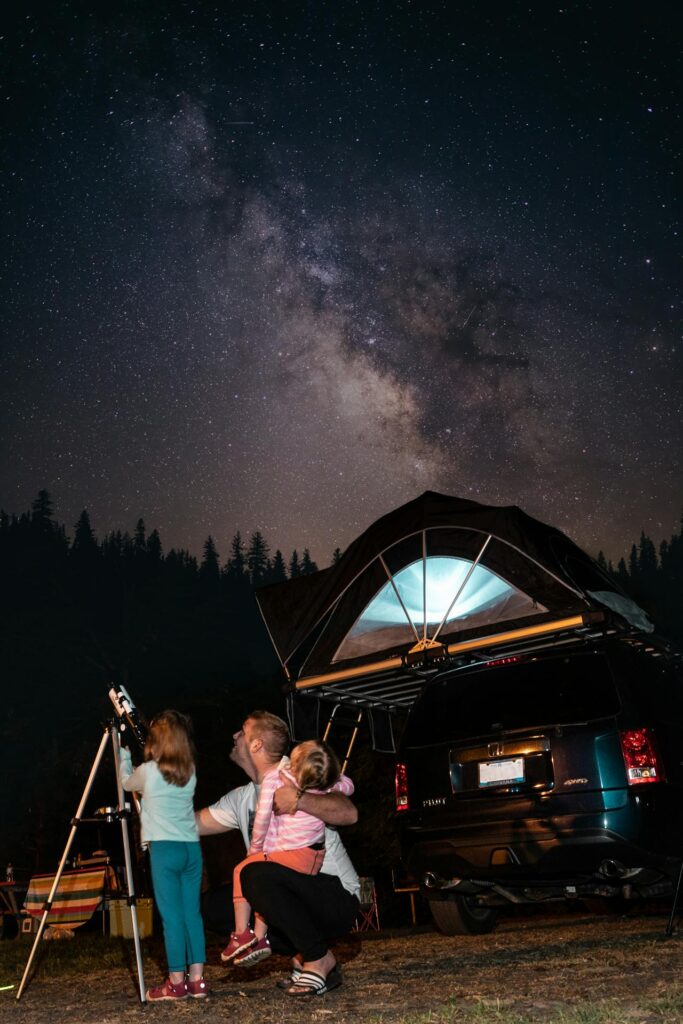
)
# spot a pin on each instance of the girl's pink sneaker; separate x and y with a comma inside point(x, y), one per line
point(197, 989)
point(259, 951)
point(167, 991)
point(239, 942)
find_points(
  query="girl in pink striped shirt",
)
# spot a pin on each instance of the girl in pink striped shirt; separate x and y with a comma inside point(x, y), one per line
point(294, 840)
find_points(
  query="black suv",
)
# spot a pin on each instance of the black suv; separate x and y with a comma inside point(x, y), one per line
point(545, 776)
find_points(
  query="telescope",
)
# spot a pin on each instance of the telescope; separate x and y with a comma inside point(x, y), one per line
point(128, 720)
point(128, 715)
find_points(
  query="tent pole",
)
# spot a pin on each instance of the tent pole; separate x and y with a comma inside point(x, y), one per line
point(400, 599)
point(424, 586)
point(462, 586)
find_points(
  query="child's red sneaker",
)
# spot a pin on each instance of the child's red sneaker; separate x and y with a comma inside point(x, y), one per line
point(259, 951)
point(167, 991)
point(239, 942)
point(197, 989)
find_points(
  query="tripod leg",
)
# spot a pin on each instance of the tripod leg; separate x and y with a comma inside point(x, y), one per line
point(670, 926)
point(128, 865)
point(62, 863)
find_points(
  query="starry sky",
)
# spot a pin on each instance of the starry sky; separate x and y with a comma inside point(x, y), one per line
point(284, 266)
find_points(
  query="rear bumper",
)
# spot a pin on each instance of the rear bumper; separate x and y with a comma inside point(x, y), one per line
point(597, 851)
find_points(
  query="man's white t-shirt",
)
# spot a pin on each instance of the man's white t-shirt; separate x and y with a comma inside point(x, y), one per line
point(236, 810)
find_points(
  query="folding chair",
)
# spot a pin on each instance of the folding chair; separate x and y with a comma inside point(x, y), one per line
point(368, 915)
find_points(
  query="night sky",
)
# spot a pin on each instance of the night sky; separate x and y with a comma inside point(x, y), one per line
point(285, 266)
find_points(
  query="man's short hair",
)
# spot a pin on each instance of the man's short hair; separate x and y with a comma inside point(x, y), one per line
point(272, 731)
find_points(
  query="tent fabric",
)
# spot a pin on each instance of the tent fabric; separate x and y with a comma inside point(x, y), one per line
point(309, 618)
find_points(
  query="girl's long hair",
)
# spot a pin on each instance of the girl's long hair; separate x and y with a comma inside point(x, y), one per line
point(169, 743)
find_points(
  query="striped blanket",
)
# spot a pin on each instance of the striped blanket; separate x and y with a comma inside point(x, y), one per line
point(78, 895)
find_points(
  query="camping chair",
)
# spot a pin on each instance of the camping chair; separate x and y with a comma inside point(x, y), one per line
point(78, 896)
point(368, 915)
point(402, 882)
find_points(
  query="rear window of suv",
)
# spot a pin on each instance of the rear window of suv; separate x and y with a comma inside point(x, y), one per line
point(528, 694)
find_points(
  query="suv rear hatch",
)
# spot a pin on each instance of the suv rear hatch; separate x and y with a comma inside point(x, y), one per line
point(513, 745)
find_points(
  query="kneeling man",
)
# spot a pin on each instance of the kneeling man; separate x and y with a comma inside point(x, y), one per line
point(305, 913)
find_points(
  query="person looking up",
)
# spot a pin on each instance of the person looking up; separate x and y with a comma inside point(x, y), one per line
point(166, 781)
point(295, 840)
point(305, 913)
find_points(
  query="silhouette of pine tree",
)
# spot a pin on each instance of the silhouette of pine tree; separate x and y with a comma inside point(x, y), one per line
point(336, 555)
point(633, 566)
point(257, 559)
point(622, 574)
point(140, 538)
point(308, 566)
point(41, 508)
point(154, 548)
point(277, 571)
point(647, 559)
point(84, 545)
point(294, 566)
point(236, 566)
point(209, 570)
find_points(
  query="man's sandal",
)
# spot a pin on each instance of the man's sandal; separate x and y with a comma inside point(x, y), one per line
point(291, 979)
point(309, 983)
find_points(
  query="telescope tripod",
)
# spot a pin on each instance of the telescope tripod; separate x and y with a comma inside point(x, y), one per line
point(111, 732)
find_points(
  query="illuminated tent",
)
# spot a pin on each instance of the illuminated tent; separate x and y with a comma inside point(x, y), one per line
point(439, 581)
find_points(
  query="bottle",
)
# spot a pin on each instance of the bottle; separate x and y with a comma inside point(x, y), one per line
point(9, 872)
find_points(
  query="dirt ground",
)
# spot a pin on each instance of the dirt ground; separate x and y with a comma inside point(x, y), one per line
point(532, 967)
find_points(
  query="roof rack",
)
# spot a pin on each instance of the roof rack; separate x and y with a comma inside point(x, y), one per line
point(395, 683)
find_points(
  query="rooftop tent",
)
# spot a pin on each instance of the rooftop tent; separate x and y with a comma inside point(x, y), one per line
point(437, 578)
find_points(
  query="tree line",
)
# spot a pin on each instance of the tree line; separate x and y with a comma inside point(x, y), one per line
point(653, 577)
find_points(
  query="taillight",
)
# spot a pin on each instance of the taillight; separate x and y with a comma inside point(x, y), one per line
point(642, 761)
point(401, 783)
point(511, 660)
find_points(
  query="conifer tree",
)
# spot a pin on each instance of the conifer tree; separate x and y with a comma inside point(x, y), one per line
point(277, 572)
point(154, 549)
point(294, 566)
point(257, 559)
point(140, 540)
point(336, 555)
point(236, 566)
point(41, 508)
point(308, 566)
point(647, 559)
point(622, 574)
point(209, 571)
point(633, 564)
point(84, 542)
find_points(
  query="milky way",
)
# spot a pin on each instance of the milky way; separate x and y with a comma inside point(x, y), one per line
point(286, 268)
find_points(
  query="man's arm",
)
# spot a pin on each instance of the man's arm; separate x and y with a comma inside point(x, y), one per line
point(207, 824)
point(331, 808)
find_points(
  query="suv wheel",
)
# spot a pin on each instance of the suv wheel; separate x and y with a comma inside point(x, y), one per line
point(459, 915)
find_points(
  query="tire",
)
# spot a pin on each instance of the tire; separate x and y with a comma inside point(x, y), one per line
point(459, 915)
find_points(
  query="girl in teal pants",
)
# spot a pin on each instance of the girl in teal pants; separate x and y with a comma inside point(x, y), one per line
point(166, 780)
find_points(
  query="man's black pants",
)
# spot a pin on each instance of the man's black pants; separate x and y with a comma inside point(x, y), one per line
point(304, 913)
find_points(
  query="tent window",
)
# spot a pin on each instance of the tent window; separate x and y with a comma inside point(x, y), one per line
point(485, 599)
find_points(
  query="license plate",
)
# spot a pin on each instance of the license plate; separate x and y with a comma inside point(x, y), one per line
point(501, 773)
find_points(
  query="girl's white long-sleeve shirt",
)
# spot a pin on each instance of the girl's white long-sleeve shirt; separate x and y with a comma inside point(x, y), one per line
point(167, 811)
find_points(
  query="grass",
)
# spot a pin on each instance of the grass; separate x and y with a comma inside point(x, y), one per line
point(82, 962)
point(70, 957)
point(667, 1009)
